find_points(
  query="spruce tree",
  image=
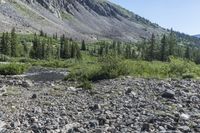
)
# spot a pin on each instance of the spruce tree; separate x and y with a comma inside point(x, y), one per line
point(172, 43)
point(187, 53)
point(83, 46)
point(78, 52)
point(13, 42)
point(151, 52)
point(5, 44)
point(163, 51)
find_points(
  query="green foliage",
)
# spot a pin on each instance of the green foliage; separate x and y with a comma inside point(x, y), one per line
point(111, 67)
point(86, 85)
point(14, 44)
point(12, 69)
point(4, 58)
point(189, 76)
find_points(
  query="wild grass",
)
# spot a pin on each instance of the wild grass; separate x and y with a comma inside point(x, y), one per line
point(13, 68)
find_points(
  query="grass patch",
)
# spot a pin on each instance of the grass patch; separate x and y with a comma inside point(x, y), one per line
point(13, 68)
point(66, 16)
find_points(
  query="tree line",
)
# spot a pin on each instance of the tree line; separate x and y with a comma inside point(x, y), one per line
point(44, 47)
point(155, 48)
point(40, 47)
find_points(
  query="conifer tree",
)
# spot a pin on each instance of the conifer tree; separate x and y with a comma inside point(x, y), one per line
point(151, 52)
point(172, 43)
point(163, 51)
point(187, 53)
point(83, 46)
point(13, 42)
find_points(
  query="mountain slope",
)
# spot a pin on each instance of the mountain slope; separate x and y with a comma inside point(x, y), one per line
point(198, 36)
point(79, 19)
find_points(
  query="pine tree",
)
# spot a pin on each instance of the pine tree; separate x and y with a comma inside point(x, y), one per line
point(119, 52)
point(128, 51)
point(151, 52)
point(172, 43)
point(83, 46)
point(62, 43)
point(73, 51)
point(42, 33)
point(187, 53)
point(78, 52)
point(13, 42)
point(5, 44)
point(163, 51)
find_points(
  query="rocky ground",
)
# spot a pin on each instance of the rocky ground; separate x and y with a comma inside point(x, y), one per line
point(124, 105)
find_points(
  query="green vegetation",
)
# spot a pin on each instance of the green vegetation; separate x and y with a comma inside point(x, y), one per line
point(66, 15)
point(157, 57)
point(12, 69)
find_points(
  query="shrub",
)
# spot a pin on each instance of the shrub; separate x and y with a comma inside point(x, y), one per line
point(12, 69)
point(178, 67)
point(111, 67)
point(86, 85)
point(4, 58)
point(188, 76)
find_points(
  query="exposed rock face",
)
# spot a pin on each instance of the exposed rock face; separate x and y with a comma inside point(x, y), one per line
point(118, 106)
point(79, 19)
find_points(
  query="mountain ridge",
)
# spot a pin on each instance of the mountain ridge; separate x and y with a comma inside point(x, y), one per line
point(198, 35)
point(79, 19)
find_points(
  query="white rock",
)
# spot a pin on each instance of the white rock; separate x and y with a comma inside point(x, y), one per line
point(2, 124)
point(184, 116)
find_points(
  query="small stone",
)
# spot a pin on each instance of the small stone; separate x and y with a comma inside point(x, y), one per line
point(14, 124)
point(145, 127)
point(93, 123)
point(27, 83)
point(185, 116)
point(98, 130)
point(71, 88)
point(184, 128)
point(168, 94)
point(2, 124)
point(34, 96)
point(194, 99)
point(128, 91)
point(95, 107)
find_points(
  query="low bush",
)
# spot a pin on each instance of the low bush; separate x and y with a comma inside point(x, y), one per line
point(111, 67)
point(107, 67)
point(86, 85)
point(4, 58)
point(13, 68)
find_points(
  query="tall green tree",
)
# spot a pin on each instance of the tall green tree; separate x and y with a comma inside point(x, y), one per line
point(13, 42)
point(151, 51)
point(5, 44)
point(83, 46)
point(172, 42)
point(187, 53)
point(163, 51)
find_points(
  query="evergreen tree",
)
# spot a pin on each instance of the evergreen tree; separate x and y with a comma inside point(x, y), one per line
point(187, 53)
point(5, 44)
point(119, 52)
point(83, 46)
point(128, 51)
point(163, 51)
point(78, 52)
point(42, 33)
point(62, 43)
point(151, 52)
point(172, 43)
point(13, 42)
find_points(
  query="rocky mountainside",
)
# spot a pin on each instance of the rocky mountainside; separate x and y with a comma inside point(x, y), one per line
point(124, 105)
point(79, 19)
